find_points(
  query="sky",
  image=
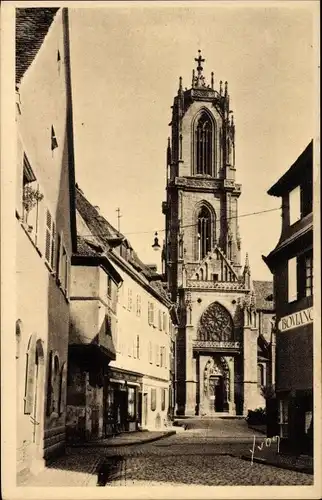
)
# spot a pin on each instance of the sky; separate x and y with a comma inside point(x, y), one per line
point(126, 63)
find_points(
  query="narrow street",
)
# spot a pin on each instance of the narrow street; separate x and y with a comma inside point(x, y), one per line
point(208, 456)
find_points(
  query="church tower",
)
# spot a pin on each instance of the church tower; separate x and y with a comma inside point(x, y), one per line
point(201, 257)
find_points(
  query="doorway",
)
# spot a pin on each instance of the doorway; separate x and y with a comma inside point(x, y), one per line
point(216, 393)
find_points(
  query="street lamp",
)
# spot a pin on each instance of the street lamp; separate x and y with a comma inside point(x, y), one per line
point(156, 245)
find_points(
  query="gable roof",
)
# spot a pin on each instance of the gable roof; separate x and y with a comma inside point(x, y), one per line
point(32, 25)
point(111, 238)
point(292, 177)
point(264, 295)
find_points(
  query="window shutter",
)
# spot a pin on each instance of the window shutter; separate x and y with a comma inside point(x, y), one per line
point(58, 257)
point(62, 389)
point(53, 239)
point(49, 385)
point(30, 375)
point(292, 279)
point(48, 236)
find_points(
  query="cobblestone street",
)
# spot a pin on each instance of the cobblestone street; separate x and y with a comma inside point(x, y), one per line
point(195, 458)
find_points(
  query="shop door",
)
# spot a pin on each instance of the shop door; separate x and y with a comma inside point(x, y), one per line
point(140, 408)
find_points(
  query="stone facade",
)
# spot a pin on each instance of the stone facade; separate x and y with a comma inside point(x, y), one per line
point(217, 342)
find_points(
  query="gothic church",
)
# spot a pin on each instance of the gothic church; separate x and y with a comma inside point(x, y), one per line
point(224, 348)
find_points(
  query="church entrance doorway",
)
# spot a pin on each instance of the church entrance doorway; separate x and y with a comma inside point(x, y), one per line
point(216, 393)
point(215, 385)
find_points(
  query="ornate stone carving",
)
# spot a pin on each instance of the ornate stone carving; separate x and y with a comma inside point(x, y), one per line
point(216, 344)
point(215, 324)
point(218, 285)
point(202, 183)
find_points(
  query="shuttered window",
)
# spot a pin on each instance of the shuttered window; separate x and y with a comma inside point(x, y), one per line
point(150, 352)
point(62, 266)
point(50, 236)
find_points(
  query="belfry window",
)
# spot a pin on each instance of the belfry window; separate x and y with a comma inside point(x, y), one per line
point(204, 232)
point(203, 146)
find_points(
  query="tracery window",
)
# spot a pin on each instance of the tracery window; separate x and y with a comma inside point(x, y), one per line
point(204, 145)
point(204, 232)
point(216, 324)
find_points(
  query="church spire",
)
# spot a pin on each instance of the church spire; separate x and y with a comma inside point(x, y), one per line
point(246, 273)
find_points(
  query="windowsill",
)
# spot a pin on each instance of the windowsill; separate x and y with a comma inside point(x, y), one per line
point(24, 227)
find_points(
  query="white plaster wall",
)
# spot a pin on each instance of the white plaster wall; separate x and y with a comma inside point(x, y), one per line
point(130, 325)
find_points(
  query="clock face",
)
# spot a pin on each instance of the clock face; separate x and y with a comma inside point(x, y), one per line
point(216, 324)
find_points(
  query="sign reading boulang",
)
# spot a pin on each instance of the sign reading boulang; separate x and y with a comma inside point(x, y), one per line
point(299, 318)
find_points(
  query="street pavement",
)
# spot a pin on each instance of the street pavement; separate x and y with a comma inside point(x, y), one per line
point(206, 456)
point(208, 453)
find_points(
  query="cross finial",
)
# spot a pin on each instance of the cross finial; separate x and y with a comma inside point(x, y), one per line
point(199, 60)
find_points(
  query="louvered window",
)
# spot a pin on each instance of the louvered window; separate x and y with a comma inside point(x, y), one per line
point(50, 240)
point(150, 352)
point(62, 266)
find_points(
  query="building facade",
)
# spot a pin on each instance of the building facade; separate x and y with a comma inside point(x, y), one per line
point(218, 334)
point(138, 384)
point(93, 309)
point(291, 263)
point(46, 233)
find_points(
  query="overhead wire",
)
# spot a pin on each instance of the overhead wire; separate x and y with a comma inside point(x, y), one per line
point(185, 226)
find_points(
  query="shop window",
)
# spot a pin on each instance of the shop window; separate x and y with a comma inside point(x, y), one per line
point(131, 402)
point(283, 418)
point(153, 399)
